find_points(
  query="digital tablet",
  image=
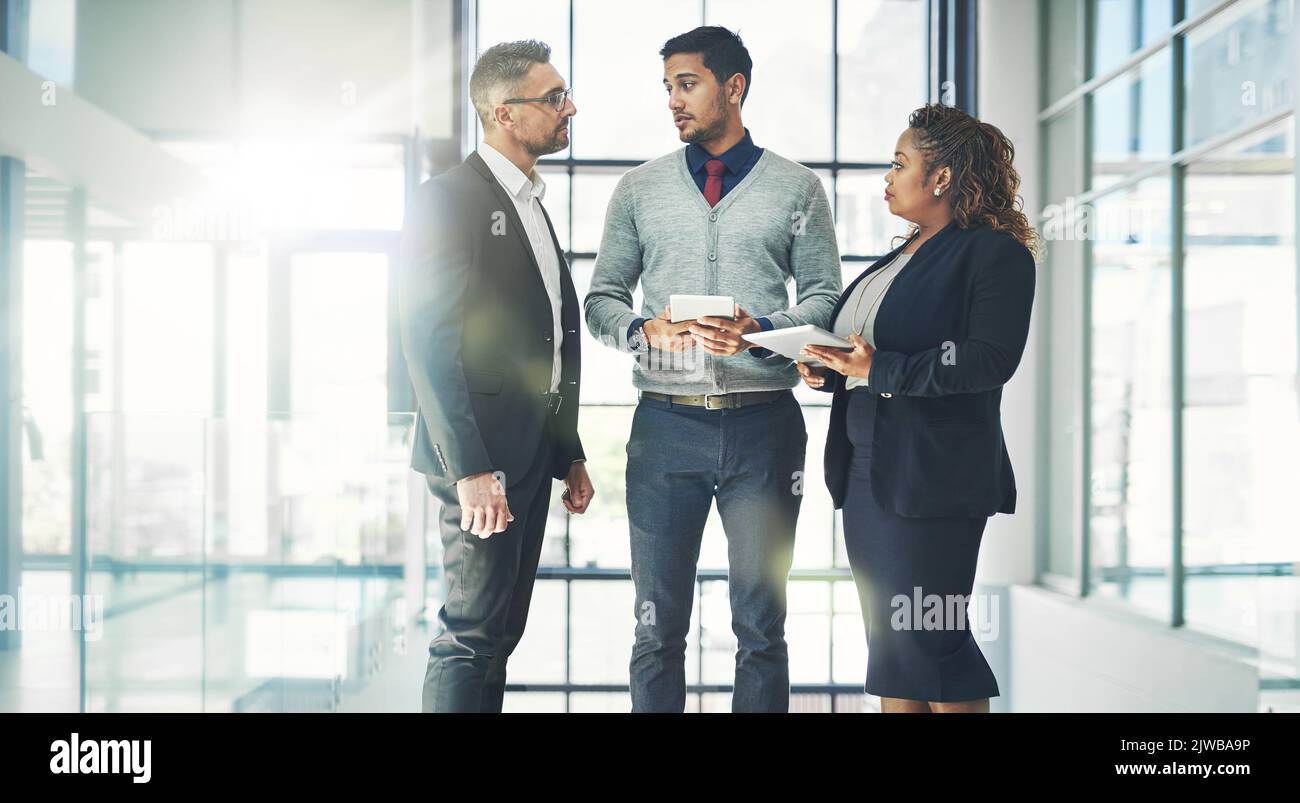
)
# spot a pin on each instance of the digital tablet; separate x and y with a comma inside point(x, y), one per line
point(688, 307)
point(787, 342)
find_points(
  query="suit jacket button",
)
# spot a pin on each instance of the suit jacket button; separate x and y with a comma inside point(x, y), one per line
point(886, 395)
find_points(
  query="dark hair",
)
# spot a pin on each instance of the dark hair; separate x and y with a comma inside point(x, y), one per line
point(984, 181)
point(503, 66)
point(724, 54)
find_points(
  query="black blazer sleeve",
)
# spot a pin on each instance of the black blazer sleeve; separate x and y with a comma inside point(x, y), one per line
point(833, 380)
point(1001, 298)
point(433, 275)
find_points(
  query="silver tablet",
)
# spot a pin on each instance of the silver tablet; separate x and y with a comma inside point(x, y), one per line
point(787, 342)
point(688, 307)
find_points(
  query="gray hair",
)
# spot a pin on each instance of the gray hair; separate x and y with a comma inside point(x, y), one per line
point(503, 67)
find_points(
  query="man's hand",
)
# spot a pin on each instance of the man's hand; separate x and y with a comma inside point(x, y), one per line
point(661, 333)
point(813, 376)
point(721, 336)
point(483, 507)
point(850, 363)
point(577, 491)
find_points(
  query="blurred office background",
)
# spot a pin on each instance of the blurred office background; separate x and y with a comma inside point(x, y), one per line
point(207, 418)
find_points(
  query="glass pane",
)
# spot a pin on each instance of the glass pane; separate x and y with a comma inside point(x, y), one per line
point(548, 20)
point(791, 76)
point(1240, 67)
point(862, 219)
point(1064, 271)
point(599, 537)
point(1131, 502)
point(339, 331)
point(246, 344)
point(539, 658)
point(1131, 125)
point(808, 631)
point(618, 70)
point(716, 639)
point(145, 510)
point(295, 185)
point(812, 544)
point(47, 396)
point(518, 702)
point(605, 618)
point(850, 639)
point(557, 205)
point(1126, 26)
point(882, 53)
point(1063, 146)
point(52, 39)
point(167, 288)
point(606, 372)
point(600, 703)
point(591, 191)
point(1064, 64)
point(1242, 399)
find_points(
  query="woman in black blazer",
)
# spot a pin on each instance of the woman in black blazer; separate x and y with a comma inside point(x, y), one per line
point(915, 454)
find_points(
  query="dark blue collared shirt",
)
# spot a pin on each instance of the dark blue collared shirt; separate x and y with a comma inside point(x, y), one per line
point(738, 160)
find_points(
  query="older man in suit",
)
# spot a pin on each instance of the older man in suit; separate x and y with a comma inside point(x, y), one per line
point(489, 321)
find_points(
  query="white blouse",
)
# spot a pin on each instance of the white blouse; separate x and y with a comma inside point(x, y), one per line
point(858, 314)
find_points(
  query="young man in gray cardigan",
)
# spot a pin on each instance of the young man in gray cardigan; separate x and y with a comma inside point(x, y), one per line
point(716, 417)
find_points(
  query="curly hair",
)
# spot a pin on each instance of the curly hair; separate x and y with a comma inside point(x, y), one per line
point(984, 181)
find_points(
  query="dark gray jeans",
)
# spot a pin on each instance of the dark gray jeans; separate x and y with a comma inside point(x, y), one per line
point(679, 459)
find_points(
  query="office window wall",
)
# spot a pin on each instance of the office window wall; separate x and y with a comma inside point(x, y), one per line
point(831, 87)
point(1173, 399)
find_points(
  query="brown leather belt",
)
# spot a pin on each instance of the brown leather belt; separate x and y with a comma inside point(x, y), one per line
point(719, 401)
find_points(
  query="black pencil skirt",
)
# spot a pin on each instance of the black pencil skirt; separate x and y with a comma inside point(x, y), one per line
point(922, 651)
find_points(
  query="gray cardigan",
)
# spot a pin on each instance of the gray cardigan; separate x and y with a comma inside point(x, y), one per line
point(774, 226)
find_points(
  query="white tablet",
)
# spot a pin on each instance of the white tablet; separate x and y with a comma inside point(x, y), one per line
point(787, 342)
point(688, 307)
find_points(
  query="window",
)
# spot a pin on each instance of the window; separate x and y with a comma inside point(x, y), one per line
point(1174, 303)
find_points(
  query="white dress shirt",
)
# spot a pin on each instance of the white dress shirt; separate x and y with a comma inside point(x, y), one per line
point(527, 193)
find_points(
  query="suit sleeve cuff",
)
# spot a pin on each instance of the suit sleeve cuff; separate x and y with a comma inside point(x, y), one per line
point(882, 366)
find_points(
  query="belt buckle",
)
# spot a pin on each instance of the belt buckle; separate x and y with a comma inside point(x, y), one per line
point(726, 405)
point(554, 403)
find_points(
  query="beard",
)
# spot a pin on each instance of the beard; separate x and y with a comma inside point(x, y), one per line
point(714, 128)
point(555, 142)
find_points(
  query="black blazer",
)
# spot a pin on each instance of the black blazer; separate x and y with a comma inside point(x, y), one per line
point(937, 445)
point(477, 331)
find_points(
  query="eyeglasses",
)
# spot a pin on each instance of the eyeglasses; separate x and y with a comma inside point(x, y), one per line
point(556, 99)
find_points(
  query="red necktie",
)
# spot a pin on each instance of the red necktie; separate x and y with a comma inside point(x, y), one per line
point(713, 184)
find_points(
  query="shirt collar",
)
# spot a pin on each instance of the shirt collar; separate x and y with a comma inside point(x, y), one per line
point(510, 176)
point(733, 158)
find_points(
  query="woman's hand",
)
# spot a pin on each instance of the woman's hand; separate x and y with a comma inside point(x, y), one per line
point(850, 363)
point(813, 377)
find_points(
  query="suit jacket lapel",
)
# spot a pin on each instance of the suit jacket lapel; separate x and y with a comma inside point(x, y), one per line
point(848, 291)
point(567, 291)
point(512, 216)
point(886, 259)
